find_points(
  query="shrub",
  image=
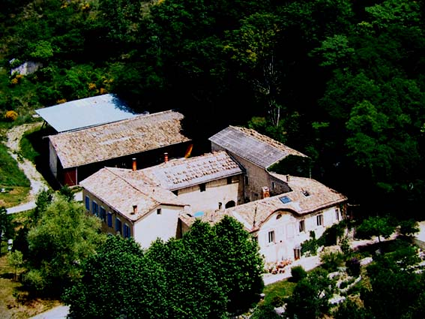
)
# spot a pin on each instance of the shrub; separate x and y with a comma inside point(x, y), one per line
point(298, 273)
point(310, 245)
point(353, 267)
point(332, 261)
point(277, 301)
point(11, 116)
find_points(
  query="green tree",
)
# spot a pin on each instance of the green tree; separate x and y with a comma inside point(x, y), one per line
point(394, 289)
point(189, 294)
point(233, 256)
point(119, 282)
point(58, 243)
point(15, 259)
point(375, 226)
point(408, 227)
point(310, 298)
point(6, 226)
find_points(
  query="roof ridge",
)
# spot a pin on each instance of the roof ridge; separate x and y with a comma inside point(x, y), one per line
point(130, 184)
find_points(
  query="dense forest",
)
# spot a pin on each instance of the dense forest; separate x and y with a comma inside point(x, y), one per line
point(340, 80)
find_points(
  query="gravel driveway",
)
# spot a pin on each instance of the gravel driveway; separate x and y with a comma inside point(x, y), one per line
point(38, 183)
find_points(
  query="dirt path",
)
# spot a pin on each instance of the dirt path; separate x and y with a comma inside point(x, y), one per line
point(38, 183)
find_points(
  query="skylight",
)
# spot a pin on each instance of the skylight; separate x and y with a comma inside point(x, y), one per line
point(285, 199)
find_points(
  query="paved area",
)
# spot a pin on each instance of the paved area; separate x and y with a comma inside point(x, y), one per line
point(308, 263)
point(60, 312)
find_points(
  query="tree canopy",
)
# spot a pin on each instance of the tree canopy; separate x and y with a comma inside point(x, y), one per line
point(58, 242)
point(210, 272)
point(341, 81)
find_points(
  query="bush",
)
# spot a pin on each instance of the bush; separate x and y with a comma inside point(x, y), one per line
point(298, 273)
point(11, 116)
point(332, 261)
point(277, 301)
point(310, 245)
point(353, 267)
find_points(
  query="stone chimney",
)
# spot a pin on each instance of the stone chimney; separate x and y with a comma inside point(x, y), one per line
point(265, 192)
point(134, 211)
point(165, 157)
point(134, 166)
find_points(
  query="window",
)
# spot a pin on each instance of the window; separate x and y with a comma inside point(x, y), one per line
point(302, 226)
point(273, 185)
point(203, 187)
point(246, 180)
point(102, 214)
point(337, 213)
point(118, 225)
point(87, 203)
point(229, 180)
point(109, 219)
point(95, 209)
point(127, 233)
point(159, 211)
point(319, 219)
point(271, 236)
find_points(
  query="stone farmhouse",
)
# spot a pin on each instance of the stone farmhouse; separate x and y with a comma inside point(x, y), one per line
point(147, 203)
point(163, 201)
point(76, 154)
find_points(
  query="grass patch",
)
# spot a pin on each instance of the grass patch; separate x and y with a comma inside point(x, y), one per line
point(280, 289)
point(10, 174)
point(13, 182)
point(13, 196)
point(26, 146)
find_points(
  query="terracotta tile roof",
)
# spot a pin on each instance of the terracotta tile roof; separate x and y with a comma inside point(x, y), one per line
point(185, 172)
point(252, 146)
point(121, 194)
point(307, 196)
point(138, 134)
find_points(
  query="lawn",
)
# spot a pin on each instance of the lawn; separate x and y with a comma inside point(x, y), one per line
point(14, 185)
point(278, 290)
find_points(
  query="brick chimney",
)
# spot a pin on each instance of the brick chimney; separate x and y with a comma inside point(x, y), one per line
point(165, 157)
point(265, 192)
point(134, 211)
point(134, 166)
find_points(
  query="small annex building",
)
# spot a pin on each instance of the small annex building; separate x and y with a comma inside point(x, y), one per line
point(187, 187)
point(75, 155)
point(255, 152)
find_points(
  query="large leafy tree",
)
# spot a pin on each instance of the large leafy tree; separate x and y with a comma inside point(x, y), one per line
point(310, 298)
point(193, 288)
point(396, 290)
point(211, 271)
point(233, 256)
point(119, 281)
point(376, 226)
point(58, 244)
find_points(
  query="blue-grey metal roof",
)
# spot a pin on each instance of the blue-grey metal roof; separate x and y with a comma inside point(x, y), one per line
point(91, 111)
